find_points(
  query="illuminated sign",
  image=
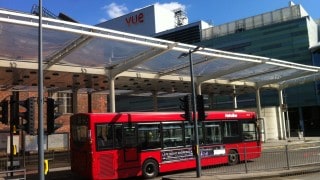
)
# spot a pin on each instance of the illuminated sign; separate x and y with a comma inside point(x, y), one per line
point(135, 19)
point(232, 115)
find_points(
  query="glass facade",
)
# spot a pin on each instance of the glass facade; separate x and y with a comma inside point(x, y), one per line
point(286, 41)
point(290, 41)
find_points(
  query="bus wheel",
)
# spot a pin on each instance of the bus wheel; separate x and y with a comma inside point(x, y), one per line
point(233, 157)
point(150, 168)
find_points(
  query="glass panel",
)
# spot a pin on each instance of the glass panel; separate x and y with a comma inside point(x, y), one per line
point(188, 134)
point(79, 128)
point(231, 129)
point(213, 133)
point(249, 132)
point(129, 136)
point(149, 136)
point(104, 136)
point(118, 135)
point(79, 133)
point(172, 135)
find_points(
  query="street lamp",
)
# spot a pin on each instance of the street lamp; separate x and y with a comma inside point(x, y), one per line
point(194, 109)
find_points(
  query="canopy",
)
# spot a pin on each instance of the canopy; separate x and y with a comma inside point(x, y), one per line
point(78, 56)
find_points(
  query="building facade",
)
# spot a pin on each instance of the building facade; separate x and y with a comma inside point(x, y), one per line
point(289, 33)
point(285, 34)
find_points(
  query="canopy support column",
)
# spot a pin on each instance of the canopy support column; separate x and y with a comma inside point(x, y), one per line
point(235, 103)
point(199, 89)
point(262, 123)
point(112, 95)
point(282, 123)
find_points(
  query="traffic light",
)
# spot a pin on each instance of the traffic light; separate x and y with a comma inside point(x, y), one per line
point(52, 114)
point(200, 108)
point(186, 106)
point(4, 111)
point(14, 112)
point(28, 115)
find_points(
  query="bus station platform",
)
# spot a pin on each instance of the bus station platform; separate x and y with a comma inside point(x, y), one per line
point(270, 145)
point(240, 176)
point(63, 172)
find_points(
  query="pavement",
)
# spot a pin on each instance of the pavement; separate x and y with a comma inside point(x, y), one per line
point(267, 145)
point(251, 175)
point(60, 172)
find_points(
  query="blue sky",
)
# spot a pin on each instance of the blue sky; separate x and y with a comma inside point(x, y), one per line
point(214, 11)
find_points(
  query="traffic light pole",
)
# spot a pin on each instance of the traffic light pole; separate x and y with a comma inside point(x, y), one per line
point(40, 100)
point(195, 118)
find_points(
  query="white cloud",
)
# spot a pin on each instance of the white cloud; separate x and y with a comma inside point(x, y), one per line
point(172, 6)
point(114, 10)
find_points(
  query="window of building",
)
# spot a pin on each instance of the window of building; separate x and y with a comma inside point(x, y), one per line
point(64, 99)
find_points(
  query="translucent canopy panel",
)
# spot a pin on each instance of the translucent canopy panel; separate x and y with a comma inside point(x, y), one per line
point(81, 56)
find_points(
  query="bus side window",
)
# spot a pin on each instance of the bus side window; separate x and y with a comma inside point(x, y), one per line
point(188, 131)
point(213, 133)
point(149, 136)
point(118, 135)
point(130, 136)
point(104, 136)
point(172, 134)
point(249, 132)
point(231, 131)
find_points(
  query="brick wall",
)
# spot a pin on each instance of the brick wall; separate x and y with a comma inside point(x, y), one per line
point(99, 105)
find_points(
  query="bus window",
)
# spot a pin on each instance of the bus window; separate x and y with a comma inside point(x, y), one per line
point(129, 136)
point(79, 129)
point(104, 136)
point(172, 134)
point(231, 129)
point(189, 135)
point(118, 135)
point(213, 133)
point(149, 136)
point(79, 133)
point(200, 133)
point(249, 132)
point(188, 131)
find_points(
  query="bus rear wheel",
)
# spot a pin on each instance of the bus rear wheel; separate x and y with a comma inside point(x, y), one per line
point(233, 157)
point(150, 169)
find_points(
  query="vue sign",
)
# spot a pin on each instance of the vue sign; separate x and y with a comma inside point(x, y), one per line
point(135, 19)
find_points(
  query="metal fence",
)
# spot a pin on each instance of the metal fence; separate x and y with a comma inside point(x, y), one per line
point(30, 161)
point(281, 157)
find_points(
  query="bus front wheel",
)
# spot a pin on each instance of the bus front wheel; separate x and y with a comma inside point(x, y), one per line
point(150, 169)
point(233, 157)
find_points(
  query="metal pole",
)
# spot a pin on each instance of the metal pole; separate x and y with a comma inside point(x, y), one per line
point(195, 119)
point(40, 99)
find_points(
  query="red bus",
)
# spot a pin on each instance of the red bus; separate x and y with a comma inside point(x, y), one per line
point(121, 145)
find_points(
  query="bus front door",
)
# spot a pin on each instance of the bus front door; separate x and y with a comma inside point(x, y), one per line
point(131, 156)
